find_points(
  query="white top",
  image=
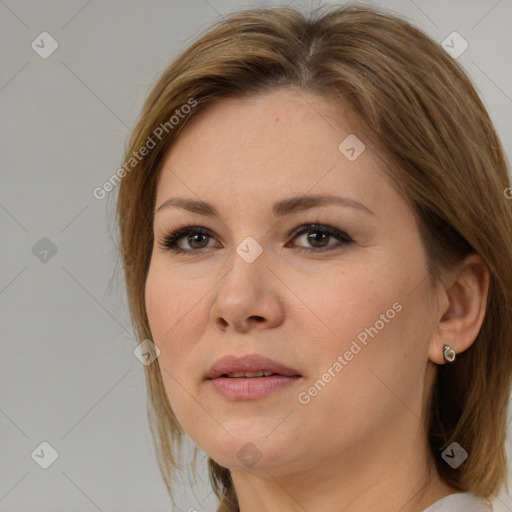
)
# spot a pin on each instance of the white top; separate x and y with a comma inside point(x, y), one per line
point(460, 502)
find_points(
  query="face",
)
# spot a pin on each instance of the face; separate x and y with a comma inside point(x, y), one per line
point(335, 291)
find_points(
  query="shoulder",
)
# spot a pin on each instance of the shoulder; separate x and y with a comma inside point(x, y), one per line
point(460, 502)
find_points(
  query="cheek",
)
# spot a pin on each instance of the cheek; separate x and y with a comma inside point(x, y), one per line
point(169, 305)
point(366, 328)
point(339, 300)
point(175, 306)
point(168, 300)
point(363, 387)
point(160, 305)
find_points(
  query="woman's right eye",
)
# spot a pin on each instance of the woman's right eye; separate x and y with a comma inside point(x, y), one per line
point(194, 236)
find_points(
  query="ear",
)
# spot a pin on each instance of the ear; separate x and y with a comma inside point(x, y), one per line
point(462, 305)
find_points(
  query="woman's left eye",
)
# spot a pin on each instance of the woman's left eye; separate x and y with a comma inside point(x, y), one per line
point(317, 235)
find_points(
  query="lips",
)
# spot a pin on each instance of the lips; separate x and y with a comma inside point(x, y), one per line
point(251, 377)
point(249, 366)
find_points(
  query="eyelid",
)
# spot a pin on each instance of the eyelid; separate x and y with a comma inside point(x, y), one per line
point(312, 226)
point(172, 236)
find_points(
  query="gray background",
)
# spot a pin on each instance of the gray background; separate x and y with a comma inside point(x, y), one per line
point(68, 373)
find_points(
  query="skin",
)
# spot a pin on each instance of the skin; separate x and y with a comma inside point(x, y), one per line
point(358, 445)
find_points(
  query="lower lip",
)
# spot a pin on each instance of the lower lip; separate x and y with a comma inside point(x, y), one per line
point(250, 388)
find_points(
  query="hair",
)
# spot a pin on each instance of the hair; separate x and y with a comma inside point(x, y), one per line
point(417, 105)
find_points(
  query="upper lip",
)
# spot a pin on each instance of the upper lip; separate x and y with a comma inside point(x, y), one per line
point(248, 363)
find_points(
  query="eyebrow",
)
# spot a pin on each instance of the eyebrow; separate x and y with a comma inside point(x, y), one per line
point(279, 209)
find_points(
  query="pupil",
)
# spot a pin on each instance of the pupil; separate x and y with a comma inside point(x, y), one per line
point(191, 239)
point(314, 239)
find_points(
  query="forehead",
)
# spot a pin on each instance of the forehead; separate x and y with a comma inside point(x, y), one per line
point(270, 145)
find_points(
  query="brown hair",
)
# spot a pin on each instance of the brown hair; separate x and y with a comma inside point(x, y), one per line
point(443, 155)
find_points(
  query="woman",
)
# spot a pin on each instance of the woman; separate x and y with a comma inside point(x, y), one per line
point(315, 236)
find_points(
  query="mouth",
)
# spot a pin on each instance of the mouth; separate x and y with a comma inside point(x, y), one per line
point(249, 366)
point(253, 387)
point(250, 377)
point(237, 375)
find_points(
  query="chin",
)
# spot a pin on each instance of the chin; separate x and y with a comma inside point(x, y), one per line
point(250, 444)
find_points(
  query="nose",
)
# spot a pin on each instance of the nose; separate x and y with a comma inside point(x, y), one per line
point(247, 297)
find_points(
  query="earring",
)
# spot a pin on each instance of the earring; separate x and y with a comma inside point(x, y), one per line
point(449, 354)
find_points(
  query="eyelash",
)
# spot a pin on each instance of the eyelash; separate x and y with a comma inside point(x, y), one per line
point(169, 241)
